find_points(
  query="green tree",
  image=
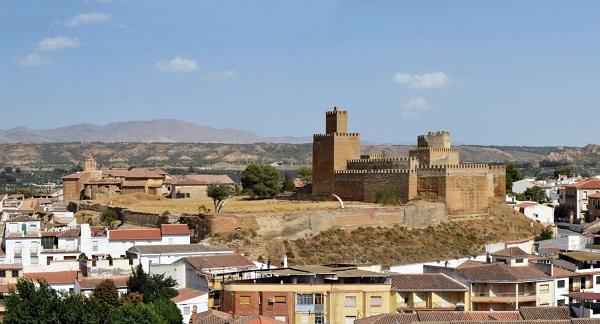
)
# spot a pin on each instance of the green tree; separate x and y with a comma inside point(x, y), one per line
point(512, 174)
point(153, 286)
point(260, 180)
point(305, 173)
point(130, 313)
point(106, 292)
point(386, 196)
point(563, 171)
point(535, 193)
point(288, 183)
point(218, 193)
point(108, 217)
point(167, 310)
point(29, 303)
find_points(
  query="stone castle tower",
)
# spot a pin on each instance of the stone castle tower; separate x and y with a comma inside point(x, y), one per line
point(434, 148)
point(332, 150)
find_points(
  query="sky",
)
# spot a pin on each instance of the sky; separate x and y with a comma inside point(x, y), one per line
point(491, 72)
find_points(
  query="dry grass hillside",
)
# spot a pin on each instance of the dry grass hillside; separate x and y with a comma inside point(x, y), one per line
point(392, 245)
point(237, 205)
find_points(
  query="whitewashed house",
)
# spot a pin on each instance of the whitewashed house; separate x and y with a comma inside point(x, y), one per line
point(191, 301)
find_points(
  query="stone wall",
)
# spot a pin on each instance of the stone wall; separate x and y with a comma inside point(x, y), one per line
point(363, 185)
point(382, 164)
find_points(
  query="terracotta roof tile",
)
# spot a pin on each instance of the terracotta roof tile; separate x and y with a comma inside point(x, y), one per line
point(425, 282)
point(500, 272)
point(134, 234)
point(389, 319)
point(57, 277)
point(175, 229)
point(203, 179)
point(184, 294)
point(511, 252)
point(72, 176)
point(585, 184)
point(581, 255)
point(219, 261)
point(583, 295)
point(545, 313)
point(91, 283)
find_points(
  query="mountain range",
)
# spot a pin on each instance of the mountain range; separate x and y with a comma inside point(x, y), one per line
point(157, 130)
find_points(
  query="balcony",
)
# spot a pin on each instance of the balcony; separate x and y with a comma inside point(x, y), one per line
point(503, 297)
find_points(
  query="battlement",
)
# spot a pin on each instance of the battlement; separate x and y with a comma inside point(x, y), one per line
point(375, 171)
point(434, 139)
point(392, 159)
point(433, 149)
point(335, 111)
point(455, 166)
point(437, 133)
point(337, 134)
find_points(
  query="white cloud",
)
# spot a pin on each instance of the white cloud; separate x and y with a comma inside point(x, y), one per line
point(423, 81)
point(177, 65)
point(412, 107)
point(33, 59)
point(219, 75)
point(86, 19)
point(53, 44)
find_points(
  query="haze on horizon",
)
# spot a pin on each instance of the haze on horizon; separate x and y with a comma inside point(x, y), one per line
point(494, 72)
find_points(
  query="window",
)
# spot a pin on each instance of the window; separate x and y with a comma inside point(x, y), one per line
point(376, 301)
point(33, 249)
point(349, 319)
point(598, 280)
point(18, 249)
point(15, 273)
point(304, 299)
point(281, 318)
point(2, 273)
point(350, 301)
point(34, 260)
point(280, 299)
point(582, 280)
point(560, 302)
point(519, 261)
point(244, 300)
point(545, 288)
point(319, 318)
point(561, 283)
point(186, 310)
point(94, 246)
point(319, 299)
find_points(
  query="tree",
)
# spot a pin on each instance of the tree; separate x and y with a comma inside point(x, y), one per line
point(563, 171)
point(106, 292)
point(131, 313)
point(28, 303)
point(153, 286)
point(260, 180)
point(168, 310)
point(534, 193)
point(218, 193)
point(386, 196)
point(288, 183)
point(305, 173)
point(512, 174)
point(108, 217)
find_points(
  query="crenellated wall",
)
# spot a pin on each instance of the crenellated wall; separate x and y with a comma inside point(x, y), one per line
point(435, 155)
point(382, 163)
point(363, 185)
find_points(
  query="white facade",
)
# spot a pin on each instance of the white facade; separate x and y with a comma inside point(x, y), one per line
point(561, 287)
point(196, 304)
point(539, 213)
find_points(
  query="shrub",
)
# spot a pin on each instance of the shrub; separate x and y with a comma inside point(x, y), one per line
point(386, 196)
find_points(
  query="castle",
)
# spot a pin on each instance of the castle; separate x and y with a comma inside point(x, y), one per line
point(432, 171)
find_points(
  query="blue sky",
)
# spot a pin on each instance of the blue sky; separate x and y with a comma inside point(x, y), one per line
point(491, 72)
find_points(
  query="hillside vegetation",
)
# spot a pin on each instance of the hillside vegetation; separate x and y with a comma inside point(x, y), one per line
point(390, 245)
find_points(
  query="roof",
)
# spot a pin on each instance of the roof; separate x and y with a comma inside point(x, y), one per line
point(56, 277)
point(511, 252)
point(138, 173)
point(594, 196)
point(175, 229)
point(91, 283)
point(184, 294)
point(23, 218)
point(425, 282)
point(389, 319)
point(583, 295)
point(134, 234)
point(527, 204)
point(581, 256)
point(72, 176)
point(585, 184)
point(442, 316)
point(559, 272)
point(216, 317)
point(98, 231)
point(203, 179)
point(219, 261)
point(175, 248)
point(500, 272)
point(545, 313)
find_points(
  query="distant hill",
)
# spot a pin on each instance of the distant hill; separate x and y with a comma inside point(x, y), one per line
point(236, 156)
point(158, 130)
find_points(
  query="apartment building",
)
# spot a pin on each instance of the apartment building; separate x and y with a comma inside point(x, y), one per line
point(313, 294)
point(575, 197)
point(412, 292)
